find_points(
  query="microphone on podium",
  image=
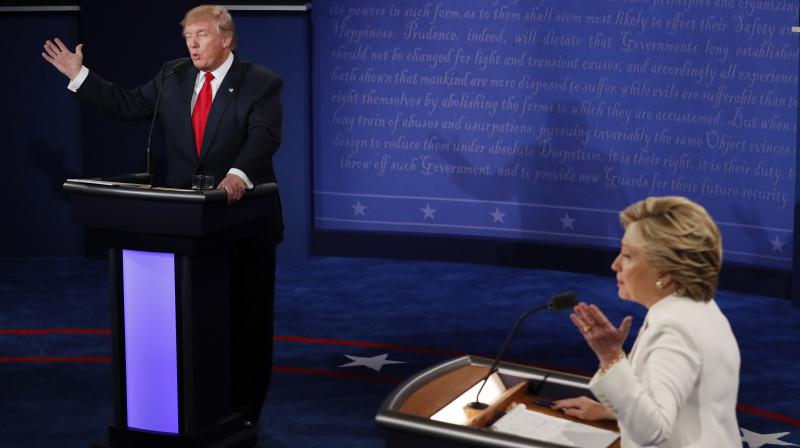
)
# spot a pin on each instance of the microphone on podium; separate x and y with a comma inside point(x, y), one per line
point(559, 302)
point(179, 67)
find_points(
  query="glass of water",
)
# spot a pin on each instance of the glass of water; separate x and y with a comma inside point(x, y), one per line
point(202, 182)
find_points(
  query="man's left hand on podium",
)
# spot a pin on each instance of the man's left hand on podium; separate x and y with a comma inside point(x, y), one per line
point(234, 187)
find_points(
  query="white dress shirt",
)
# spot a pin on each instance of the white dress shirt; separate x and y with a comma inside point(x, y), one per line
point(219, 74)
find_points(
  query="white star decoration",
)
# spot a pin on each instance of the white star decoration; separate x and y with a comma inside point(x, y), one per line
point(777, 244)
point(358, 208)
point(566, 222)
point(428, 212)
point(497, 216)
point(375, 363)
point(756, 440)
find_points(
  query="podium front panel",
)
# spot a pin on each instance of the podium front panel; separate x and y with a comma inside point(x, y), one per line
point(151, 358)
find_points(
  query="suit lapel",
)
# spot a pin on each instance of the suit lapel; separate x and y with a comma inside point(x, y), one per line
point(642, 329)
point(227, 91)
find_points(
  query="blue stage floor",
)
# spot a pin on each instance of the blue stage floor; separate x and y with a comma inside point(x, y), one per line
point(55, 376)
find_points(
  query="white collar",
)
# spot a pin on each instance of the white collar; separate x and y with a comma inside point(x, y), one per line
point(220, 72)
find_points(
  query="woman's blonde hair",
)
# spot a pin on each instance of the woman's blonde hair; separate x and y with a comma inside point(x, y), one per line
point(213, 13)
point(682, 240)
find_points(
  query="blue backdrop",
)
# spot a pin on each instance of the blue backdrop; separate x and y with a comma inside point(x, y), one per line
point(540, 120)
point(41, 140)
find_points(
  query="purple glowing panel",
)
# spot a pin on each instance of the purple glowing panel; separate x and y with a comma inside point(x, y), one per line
point(151, 361)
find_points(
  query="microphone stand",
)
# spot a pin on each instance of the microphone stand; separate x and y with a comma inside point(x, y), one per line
point(149, 161)
point(557, 303)
point(477, 404)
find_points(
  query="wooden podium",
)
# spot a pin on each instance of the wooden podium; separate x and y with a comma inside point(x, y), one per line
point(406, 413)
point(169, 253)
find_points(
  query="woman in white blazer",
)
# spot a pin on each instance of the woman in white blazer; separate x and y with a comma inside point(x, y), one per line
point(679, 384)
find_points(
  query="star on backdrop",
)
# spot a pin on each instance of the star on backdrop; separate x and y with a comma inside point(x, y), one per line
point(566, 222)
point(358, 208)
point(375, 363)
point(756, 440)
point(428, 212)
point(777, 244)
point(497, 216)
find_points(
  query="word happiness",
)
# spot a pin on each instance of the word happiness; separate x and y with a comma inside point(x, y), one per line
point(652, 95)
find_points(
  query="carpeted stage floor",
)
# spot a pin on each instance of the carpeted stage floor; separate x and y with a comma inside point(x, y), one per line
point(55, 379)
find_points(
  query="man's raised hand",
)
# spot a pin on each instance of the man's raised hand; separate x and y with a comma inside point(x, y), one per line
point(67, 62)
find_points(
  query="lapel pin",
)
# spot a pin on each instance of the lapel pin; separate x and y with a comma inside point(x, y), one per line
point(230, 90)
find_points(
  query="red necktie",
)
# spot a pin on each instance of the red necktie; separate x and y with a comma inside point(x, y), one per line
point(200, 113)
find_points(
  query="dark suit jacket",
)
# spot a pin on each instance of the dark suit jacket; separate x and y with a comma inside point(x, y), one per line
point(243, 129)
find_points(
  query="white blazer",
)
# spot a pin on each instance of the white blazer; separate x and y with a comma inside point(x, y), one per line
point(679, 385)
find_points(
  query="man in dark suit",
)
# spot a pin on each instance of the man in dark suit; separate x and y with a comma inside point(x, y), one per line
point(221, 117)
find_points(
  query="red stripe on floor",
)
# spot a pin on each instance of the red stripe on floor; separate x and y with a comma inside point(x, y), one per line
point(409, 348)
point(83, 359)
point(405, 348)
point(59, 331)
point(318, 372)
point(768, 414)
point(338, 374)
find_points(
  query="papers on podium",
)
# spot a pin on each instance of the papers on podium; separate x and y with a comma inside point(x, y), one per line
point(522, 422)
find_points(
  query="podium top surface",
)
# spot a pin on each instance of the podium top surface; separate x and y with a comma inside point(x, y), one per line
point(136, 190)
point(134, 214)
point(409, 408)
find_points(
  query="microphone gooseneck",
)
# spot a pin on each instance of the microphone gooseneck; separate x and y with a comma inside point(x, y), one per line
point(149, 161)
point(559, 302)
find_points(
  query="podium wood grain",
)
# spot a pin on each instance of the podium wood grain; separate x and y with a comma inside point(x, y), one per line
point(432, 397)
point(435, 395)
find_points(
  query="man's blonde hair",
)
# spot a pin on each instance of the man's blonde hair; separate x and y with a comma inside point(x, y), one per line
point(213, 13)
point(680, 239)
